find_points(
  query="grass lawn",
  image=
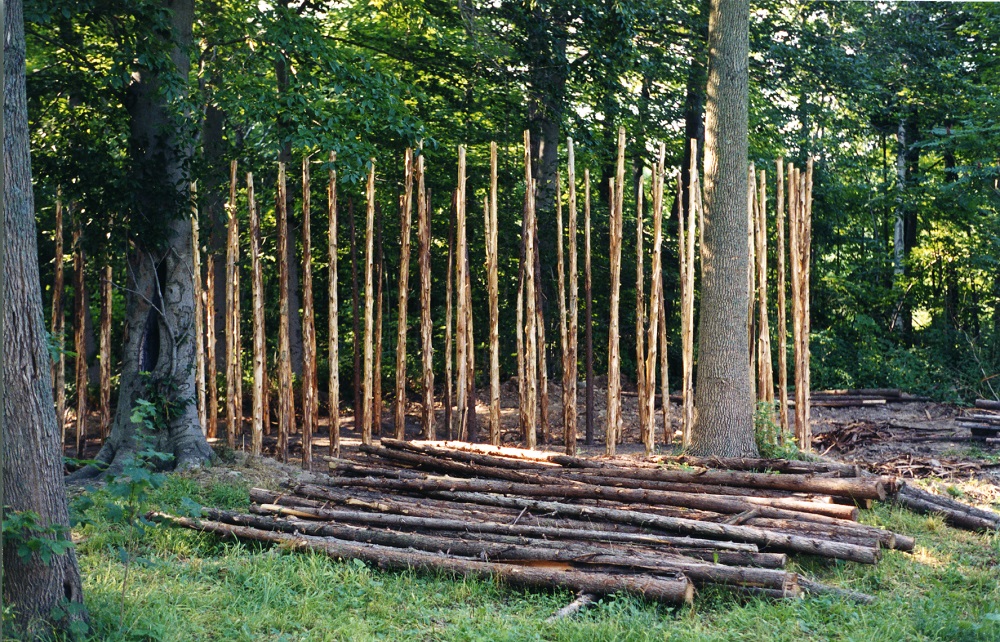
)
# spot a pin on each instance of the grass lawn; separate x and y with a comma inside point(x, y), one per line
point(187, 586)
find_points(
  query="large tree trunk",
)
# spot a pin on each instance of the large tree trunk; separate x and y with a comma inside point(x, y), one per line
point(32, 474)
point(159, 320)
point(724, 420)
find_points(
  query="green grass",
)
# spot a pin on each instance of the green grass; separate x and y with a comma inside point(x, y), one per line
point(189, 586)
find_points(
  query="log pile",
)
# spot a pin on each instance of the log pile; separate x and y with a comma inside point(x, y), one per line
point(657, 527)
point(984, 423)
point(859, 397)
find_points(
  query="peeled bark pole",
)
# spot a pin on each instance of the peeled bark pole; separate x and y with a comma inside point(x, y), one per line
point(668, 429)
point(310, 393)
point(333, 320)
point(199, 312)
point(359, 411)
point(367, 384)
point(426, 324)
point(530, 329)
point(655, 303)
point(569, 368)
point(79, 340)
point(563, 321)
point(449, 418)
point(672, 591)
point(59, 324)
point(806, 247)
point(376, 408)
point(765, 370)
point(800, 188)
point(105, 351)
point(751, 274)
point(494, 295)
point(286, 401)
point(687, 246)
point(543, 368)
point(614, 418)
point(640, 312)
point(462, 344)
point(782, 287)
point(231, 314)
point(405, 219)
point(257, 304)
point(211, 374)
point(588, 313)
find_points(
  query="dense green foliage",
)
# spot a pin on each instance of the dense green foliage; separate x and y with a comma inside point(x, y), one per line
point(837, 81)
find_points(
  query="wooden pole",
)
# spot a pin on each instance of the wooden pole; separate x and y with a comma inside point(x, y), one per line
point(782, 321)
point(751, 269)
point(765, 371)
point(694, 202)
point(405, 219)
point(310, 401)
point(524, 421)
point(199, 312)
point(333, 317)
point(449, 418)
point(806, 320)
point(494, 295)
point(794, 237)
point(377, 402)
point(569, 369)
point(655, 287)
point(588, 317)
point(79, 339)
point(258, 417)
point(212, 374)
point(543, 367)
point(59, 322)
point(426, 324)
point(462, 344)
point(232, 321)
point(470, 352)
point(668, 430)
point(359, 406)
point(366, 418)
point(640, 311)
point(613, 431)
point(105, 350)
point(286, 400)
point(563, 313)
point(530, 329)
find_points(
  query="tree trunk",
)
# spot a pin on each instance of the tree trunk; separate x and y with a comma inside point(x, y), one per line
point(159, 318)
point(491, 269)
point(286, 399)
point(32, 473)
point(80, 314)
point(588, 318)
point(105, 358)
point(211, 368)
point(333, 314)
point(724, 422)
point(59, 326)
point(570, 367)
point(405, 219)
point(310, 392)
point(426, 324)
point(258, 418)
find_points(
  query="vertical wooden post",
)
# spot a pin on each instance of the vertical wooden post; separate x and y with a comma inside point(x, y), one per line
point(751, 270)
point(588, 318)
point(668, 429)
point(543, 368)
point(359, 406)
point(105, 350)
point(613, 430)
point(212, 374)
point(257, 304)
point(232, 320)
point(563, 313)
point(806, 247)
point(694, 200)
point(494, 295)
point(377, 401)
point(640, 312)
point(570, 367)
point(765, 372)
point(449, 418)
point(426, 327)
point(367, 384)
point(782, 321)
point(286, 400)
point(79, 341)
point(524, 420)
point(333, 320)
point(794, 238)
point(310, 402)
point(531, 320)
point(470, 352)
point(404, 284)
point(461, 316)
point(59, 323)
point(655, 286)
point(199, 312)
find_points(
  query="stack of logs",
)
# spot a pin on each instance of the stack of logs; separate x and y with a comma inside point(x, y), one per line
point(985, 422)
point(859, 397)
point(655, 527)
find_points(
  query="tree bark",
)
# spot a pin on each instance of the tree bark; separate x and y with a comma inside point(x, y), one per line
point(259, 346)
point(160, 289)
point(614, 418)
point(588, 313)
point(491, 269)
point(310, 392)
point(724, 422)
point(59, 325)
point(286, 399)
point(32, 471)
point(333, 319)
point(426, 323)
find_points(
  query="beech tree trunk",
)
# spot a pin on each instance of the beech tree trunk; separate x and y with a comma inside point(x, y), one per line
point(159, 320)
point(32, 472)
point(724, 420)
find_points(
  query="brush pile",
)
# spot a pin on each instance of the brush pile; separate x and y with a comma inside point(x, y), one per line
point(658, 527)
